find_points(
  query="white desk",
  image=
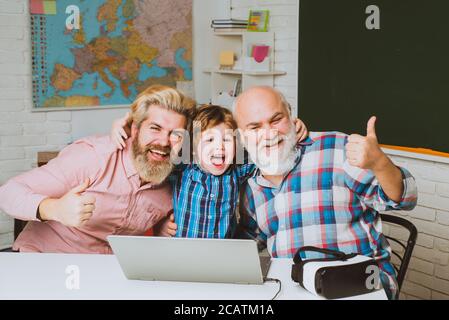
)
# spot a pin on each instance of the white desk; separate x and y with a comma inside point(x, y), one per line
point(43, 276)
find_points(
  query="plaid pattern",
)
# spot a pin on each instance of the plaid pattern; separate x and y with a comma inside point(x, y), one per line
point(204, 204)
point(324, 202)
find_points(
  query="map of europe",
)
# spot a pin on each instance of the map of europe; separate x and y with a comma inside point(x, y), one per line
point(120, 48)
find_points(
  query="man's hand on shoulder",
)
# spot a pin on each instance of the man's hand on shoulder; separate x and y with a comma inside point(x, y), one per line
point(121, 131)
point(301, 130)
point(72, 210)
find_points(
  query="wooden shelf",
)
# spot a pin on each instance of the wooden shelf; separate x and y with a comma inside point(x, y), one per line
point(249, 73)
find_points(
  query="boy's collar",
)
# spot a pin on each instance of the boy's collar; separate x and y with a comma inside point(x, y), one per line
point(197, 167)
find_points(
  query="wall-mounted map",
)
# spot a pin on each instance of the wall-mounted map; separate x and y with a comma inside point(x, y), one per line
point(120, 48)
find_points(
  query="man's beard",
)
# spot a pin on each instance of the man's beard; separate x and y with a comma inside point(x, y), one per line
point(151, 170)
point(281, 159)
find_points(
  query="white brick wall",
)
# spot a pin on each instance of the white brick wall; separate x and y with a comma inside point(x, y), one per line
point(428, 272)
point(22, 133)
point(283, 22)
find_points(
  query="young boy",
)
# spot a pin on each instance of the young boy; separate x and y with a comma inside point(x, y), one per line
point(206, 192)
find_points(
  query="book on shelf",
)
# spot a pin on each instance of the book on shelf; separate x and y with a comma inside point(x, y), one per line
point(230, 24)
point(229, 21)
point(258, 20)
point(228, 27)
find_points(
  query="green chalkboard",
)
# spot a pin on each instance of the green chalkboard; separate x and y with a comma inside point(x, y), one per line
point(400, 72)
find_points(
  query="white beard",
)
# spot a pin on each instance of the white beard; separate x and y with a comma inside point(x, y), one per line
point(280, 160)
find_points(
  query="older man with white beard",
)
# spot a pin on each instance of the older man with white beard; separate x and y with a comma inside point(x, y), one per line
point(325, 193)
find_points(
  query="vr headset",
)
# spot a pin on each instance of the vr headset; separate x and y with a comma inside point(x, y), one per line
point(341, 275)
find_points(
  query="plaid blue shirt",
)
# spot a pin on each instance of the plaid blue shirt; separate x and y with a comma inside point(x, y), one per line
point(323, 202)
point(205, 204)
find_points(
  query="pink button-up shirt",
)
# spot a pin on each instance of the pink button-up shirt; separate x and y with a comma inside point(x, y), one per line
point(123, 206)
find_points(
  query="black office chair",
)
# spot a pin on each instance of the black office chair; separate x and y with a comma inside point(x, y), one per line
point(401, 270)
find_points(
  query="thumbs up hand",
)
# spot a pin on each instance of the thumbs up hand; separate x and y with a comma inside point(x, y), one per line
point(73, 209)
point(364, 151)
point(166, 228)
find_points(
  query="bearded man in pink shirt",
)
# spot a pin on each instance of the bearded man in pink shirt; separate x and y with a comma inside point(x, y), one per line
point(92, 189)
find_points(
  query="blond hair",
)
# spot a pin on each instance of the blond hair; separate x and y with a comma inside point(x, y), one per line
point(162, 96)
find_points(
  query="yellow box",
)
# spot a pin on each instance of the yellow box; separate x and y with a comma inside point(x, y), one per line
point(226, 58)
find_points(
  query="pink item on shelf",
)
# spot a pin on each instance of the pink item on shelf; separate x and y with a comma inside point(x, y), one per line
point(260, 52)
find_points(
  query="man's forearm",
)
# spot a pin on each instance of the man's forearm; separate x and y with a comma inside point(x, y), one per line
point(19, 201)
point(390, 178)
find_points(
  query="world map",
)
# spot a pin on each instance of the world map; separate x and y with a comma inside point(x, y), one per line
point(120, 48)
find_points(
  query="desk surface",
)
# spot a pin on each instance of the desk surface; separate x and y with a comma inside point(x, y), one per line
point(43, 276)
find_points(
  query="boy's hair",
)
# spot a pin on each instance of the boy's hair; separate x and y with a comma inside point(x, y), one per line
point(208, 116)
point(165, 97)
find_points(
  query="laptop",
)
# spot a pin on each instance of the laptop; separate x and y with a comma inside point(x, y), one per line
point(190, 259)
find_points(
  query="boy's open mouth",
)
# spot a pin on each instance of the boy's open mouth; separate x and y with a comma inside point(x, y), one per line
point(218, 161)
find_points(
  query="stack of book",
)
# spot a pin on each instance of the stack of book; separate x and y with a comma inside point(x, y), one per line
point(229, 25)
